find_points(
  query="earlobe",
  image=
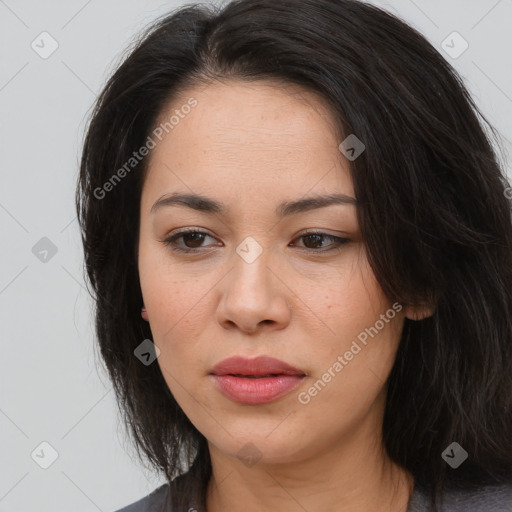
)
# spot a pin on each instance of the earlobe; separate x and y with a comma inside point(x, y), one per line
point(144, 314)
point(418, 312)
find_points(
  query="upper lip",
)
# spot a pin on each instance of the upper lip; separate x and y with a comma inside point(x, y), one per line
point(261, 365)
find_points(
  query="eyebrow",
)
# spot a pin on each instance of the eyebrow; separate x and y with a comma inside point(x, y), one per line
point(209, 205)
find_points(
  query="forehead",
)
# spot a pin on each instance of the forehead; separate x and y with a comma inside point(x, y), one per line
point(257, 134)
point(271, 103)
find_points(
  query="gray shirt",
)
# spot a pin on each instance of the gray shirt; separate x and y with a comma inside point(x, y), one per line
point(496, 498)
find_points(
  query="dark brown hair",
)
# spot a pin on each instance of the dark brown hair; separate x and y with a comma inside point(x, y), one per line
point(434, 216)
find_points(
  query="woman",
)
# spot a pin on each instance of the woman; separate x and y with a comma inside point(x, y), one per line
point(300, 247)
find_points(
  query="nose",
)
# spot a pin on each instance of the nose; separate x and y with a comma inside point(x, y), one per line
point(254, 297)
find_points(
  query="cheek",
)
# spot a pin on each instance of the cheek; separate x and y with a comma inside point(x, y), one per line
point(176, 309)
point(363, 328)
point(168, 295)
point(179, 313)
point(351, 298)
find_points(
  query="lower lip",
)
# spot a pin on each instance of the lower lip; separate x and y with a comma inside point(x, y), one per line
point(255, 391)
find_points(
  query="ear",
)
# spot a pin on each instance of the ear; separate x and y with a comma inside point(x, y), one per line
point(418, 312)
point(144, 314)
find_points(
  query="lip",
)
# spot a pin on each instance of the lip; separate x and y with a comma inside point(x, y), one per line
point(257, 366)
point(257, 380)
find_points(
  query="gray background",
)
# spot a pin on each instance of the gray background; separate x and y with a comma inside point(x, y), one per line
point(52, 389)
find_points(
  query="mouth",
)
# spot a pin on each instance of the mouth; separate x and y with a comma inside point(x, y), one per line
point(258, 367)
point(255, 376)
point(255, 381)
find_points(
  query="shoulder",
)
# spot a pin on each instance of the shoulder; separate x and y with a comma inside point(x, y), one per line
point(181, 495)
point(488, 498)
point(153, 502)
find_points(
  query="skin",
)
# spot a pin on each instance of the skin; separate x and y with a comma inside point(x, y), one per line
point(253, 146)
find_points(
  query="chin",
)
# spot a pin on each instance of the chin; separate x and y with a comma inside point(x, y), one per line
point(259, 444)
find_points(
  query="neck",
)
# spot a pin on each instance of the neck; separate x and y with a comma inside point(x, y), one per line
point(355, 474)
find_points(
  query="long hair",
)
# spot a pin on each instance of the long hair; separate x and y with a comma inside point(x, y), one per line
point(435, 217)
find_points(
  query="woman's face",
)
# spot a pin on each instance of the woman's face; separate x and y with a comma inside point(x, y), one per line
point(254, 284)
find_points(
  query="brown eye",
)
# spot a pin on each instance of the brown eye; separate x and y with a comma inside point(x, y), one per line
point(192, 241)
point(315, 242)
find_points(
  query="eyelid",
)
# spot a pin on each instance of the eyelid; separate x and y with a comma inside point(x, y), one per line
point(320, 231)
point(338, 240)
point(169, 240)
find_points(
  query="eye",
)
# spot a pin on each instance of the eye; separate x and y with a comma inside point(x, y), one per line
point(314, 241)
point(192, 238)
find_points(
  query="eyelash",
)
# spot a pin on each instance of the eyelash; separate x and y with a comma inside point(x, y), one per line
point(170, 241)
